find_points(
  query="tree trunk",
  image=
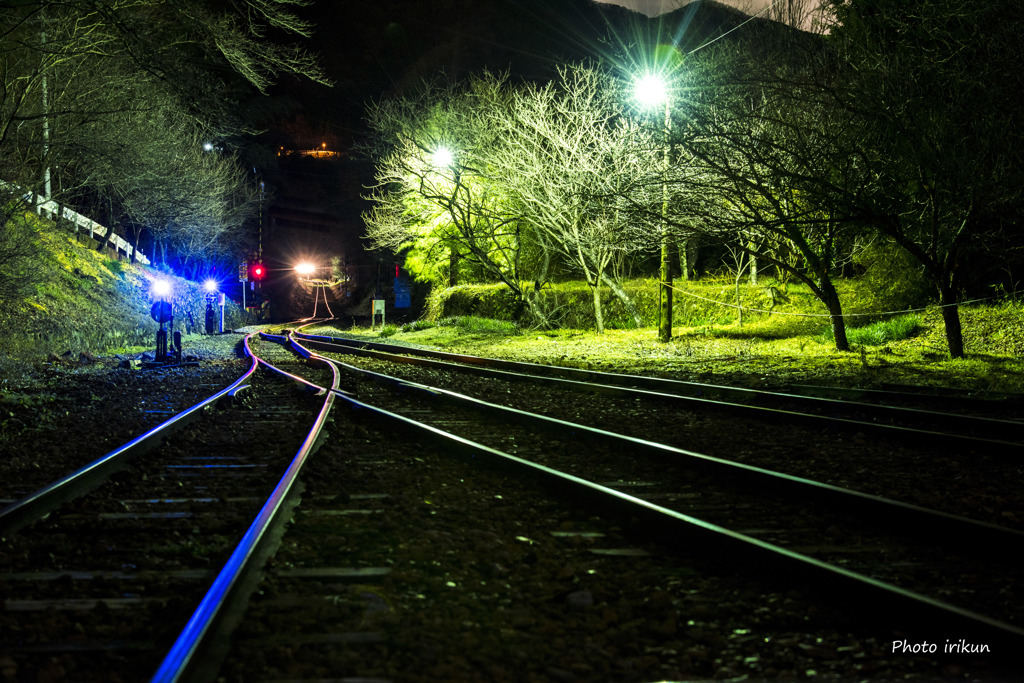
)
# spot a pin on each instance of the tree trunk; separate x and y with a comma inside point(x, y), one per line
point(684, 259)
point(665, 292)
point(453, 267)
point(620, 293)
point(739, 303)
point(835, 311)
point(135, 247)
point(598, 312)
point(951, 320)
point(688, 247)
point(105, 239)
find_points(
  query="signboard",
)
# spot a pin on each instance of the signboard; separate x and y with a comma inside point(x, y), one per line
point(243, 272)
point(403, 293)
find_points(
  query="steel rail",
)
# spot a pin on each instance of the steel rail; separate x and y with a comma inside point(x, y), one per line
point(985, 537)
point(488, 367)
point(186, 655)
point(813, 394)
point(40, 503)
point(936, 395)
point(682, 532)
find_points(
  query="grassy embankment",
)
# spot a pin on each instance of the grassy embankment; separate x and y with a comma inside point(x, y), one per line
point(84, 301)
point(792, 343)
point(68, 299)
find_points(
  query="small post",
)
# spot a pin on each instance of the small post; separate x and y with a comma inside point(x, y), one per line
point(177, 347)
point(210, 315)
point(378, 307)
point(161, 344)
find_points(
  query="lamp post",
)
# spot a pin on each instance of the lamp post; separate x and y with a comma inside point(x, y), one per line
point(651, 91)
point(443, 158)
point(161, 312)
point(212, 288)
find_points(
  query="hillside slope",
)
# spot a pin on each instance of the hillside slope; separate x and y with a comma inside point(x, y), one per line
point(89, 302)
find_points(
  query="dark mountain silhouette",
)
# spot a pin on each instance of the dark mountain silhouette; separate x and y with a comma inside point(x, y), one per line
point(374, 50)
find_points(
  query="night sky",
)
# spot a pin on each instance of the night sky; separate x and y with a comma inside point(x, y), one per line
point(380, 49)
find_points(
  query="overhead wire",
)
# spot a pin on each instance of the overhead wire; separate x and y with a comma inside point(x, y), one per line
point(737, 26)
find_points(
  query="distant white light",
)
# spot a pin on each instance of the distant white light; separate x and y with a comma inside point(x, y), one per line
point(208, 146)
point(162, 288)
point(211, 286)
point(650, 90)
point(305, 269)
point(443, 157)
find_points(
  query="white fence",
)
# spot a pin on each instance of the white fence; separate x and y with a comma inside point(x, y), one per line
point(53, 210)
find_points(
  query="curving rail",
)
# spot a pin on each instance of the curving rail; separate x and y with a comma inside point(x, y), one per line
point(182, 659)
point(37, 505)
point(994, 435)
point(673, 525)
point(197, 649)
point(185, 658)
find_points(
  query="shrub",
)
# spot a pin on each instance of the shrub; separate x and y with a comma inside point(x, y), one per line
point(115, 266)
point(489, 301)
point(883, 331)
point(892, 281)
point(388, 330)
point(477, 325)
point(417, 325)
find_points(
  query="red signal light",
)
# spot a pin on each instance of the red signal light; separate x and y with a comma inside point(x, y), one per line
point(258, 271)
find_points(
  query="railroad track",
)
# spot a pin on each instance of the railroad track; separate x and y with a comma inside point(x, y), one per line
point(375, 519)
point(102, 569)
point(892, 557)
point(943, 453)
point(836, 408)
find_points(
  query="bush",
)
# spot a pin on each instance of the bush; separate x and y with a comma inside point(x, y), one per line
point(571, 304)
point(476, 325)
point(115, 266)
point(417, 325)
point(883, 331)
point(388, 330)
point(892, 281)
point(486, 301)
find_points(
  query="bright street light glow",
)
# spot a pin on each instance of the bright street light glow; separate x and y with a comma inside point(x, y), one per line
point(305, 269)
point(651, 90)
point(211, 286)
point(443, 157)
point(208, 146)
point(162, 288)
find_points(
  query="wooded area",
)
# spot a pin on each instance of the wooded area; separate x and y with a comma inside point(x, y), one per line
point(894, 128)
point(131, 111)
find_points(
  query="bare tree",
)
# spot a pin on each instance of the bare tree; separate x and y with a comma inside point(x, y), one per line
point(929, 94)
point(749, 145)
point(436, 193)
point(568, 154)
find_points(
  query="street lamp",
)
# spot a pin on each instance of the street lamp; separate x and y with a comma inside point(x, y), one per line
point(305, 269)
point(212, 289)
point(651, 91)
point(442, 157)
point(162, 312)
